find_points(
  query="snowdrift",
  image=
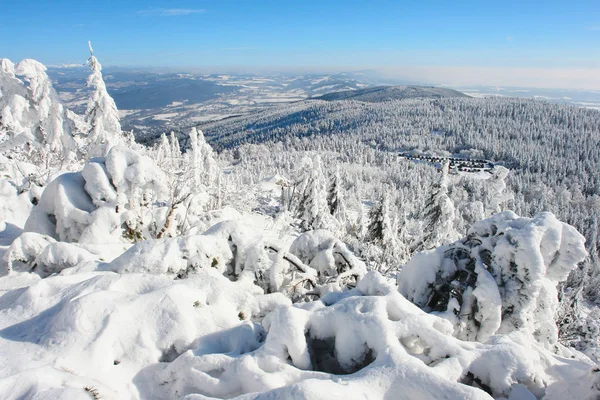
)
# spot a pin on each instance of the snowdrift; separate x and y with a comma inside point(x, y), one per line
point(229, 314)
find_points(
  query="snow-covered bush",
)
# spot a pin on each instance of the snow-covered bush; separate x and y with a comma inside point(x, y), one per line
point(501, 278)
point(113, 198)
point(24, 250)
point(176, 257)
point(32, 252)
point(336, 267)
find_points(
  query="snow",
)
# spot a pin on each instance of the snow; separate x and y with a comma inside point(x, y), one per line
point(123, 276)
point(503, 276)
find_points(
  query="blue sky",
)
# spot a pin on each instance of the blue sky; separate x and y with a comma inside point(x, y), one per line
point(327, 33)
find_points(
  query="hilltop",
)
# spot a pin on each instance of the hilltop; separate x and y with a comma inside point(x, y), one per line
point(387, 93)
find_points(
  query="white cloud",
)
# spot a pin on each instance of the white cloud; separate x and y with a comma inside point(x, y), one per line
point(171, 12)
point(509, 39)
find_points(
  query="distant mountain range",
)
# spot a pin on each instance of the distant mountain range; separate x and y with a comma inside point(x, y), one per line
point(153, 101)
point(387, 93)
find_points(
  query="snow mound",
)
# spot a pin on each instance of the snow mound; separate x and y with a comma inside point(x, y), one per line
point(502, 277)
point(101, 329)
point(317, 263)
point(109, 201)
point(369, 342)
point(177, 256)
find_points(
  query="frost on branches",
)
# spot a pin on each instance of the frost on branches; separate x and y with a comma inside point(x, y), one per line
point(501, 278)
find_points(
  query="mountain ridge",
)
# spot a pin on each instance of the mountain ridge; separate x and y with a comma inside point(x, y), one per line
point(387, 93)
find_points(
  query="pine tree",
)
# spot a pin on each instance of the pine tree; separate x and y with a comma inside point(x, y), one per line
point(380, 230)
point(313, 209)
point(101, 114)
point(335, 199)
point(438, 216)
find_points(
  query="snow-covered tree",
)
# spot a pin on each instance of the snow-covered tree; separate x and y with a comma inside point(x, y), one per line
point(195, 162)
point(101, 114)
point(381, 233)
point(203, 159)
point(14, 105)
point(497, 196)
point(359, 228)
point(313, 208)
point(47, 122)
point(380, 230)
point(335, 199)
point(162, 152)
point(438, 216)
point(500, 278)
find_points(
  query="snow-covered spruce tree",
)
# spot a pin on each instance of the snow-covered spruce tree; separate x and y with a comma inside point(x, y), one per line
point(380, 230)
point(202, 167)
point(187, 195)
point(175, 150)
point(206, 159)
point(101, 114)
point(578, 316)
point(194, 159)
point(438, 215)
point(497, 196)
point(162, 152)
point(313, 209)
point(335, 199)
point(402, 250)
point(46, 120)
point(295, 192)
point(361, 223)
point(381, 233)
